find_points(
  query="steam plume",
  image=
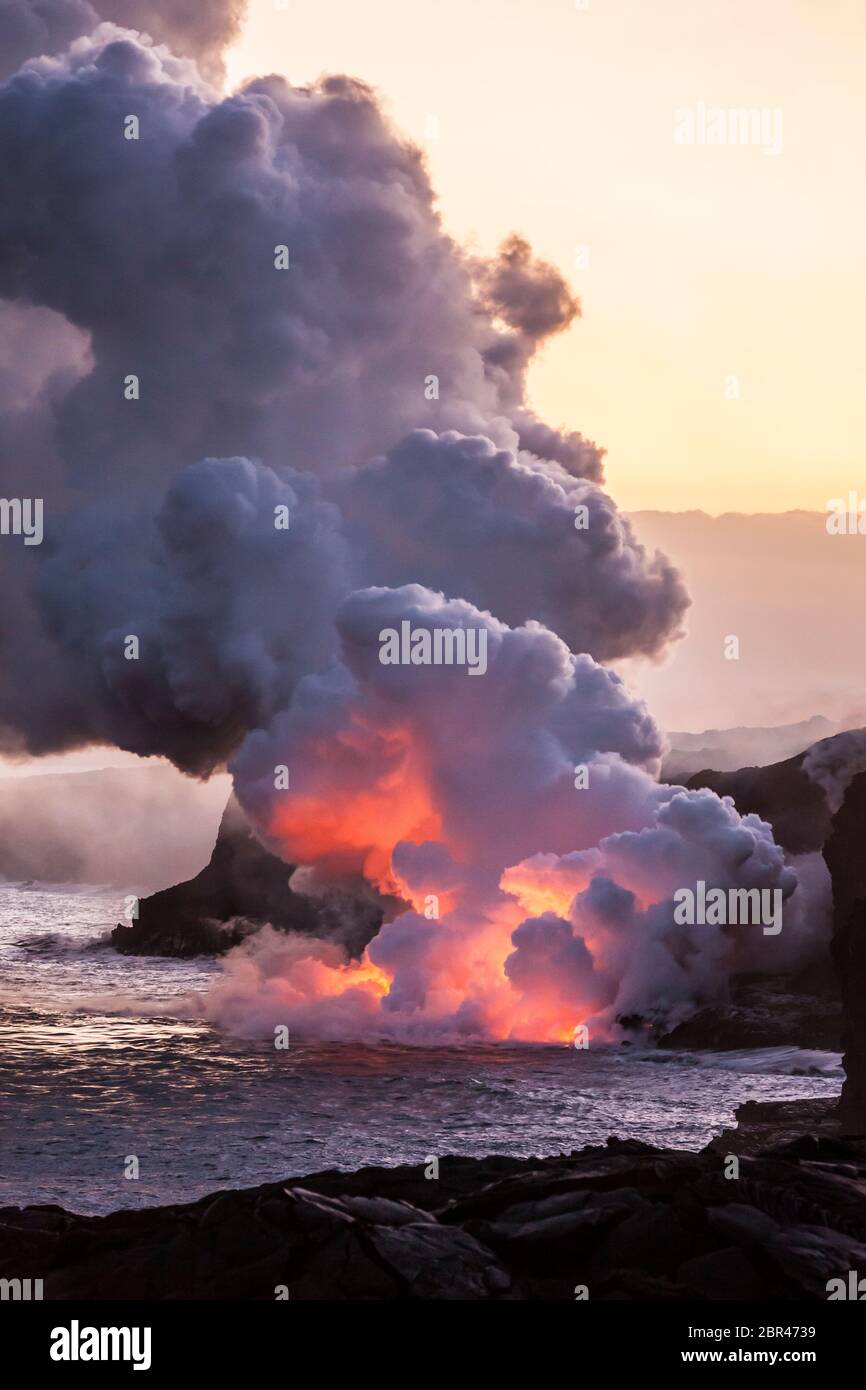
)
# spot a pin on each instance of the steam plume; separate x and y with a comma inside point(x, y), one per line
point(373, 393)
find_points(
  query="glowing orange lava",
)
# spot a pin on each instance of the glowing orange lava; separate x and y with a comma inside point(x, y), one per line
point(356, 828)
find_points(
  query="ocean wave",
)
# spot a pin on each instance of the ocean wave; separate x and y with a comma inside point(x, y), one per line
point(41, 885)
point(59, 943)
point(778, 1061)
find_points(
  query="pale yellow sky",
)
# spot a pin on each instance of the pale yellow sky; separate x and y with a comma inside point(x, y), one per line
point(704, 262)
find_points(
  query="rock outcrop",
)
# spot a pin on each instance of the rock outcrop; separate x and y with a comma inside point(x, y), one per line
point(242, 888)
point(625, 1221)
point(845, 854)
point(783, 794)
point(763, 1012)
point(770, 1124)
point(769, 1011)
point(802, 1010)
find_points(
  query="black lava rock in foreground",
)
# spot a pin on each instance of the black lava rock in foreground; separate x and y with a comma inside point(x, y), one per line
point(626, 1221)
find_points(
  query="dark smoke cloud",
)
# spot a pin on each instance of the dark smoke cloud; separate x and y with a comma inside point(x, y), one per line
point(198, 29)
point(534, 302)
point(229, 610)
point(530, 295)
point(29, 28)
point(438, 507)
point(156, 257)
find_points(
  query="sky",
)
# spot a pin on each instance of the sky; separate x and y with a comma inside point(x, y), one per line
point(695, 264)
point(792, 595)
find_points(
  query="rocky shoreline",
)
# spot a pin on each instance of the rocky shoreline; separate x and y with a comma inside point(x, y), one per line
point(622, 1221)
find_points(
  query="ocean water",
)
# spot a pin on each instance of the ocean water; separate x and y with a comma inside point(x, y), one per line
point(102, 1058)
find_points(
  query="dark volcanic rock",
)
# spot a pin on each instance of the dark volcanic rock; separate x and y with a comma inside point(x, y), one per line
point(243, 887)
point(801, 1010)
point(768, 1011)
point(845, 854)
point(767, 1124)
point(782, 794)
point(775, 1012)
point(627, 1221)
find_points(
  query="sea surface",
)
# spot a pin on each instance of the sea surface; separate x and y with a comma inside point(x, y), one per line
point(94, 1070)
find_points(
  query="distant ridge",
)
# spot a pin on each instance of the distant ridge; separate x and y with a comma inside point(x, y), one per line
point(729, 750)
